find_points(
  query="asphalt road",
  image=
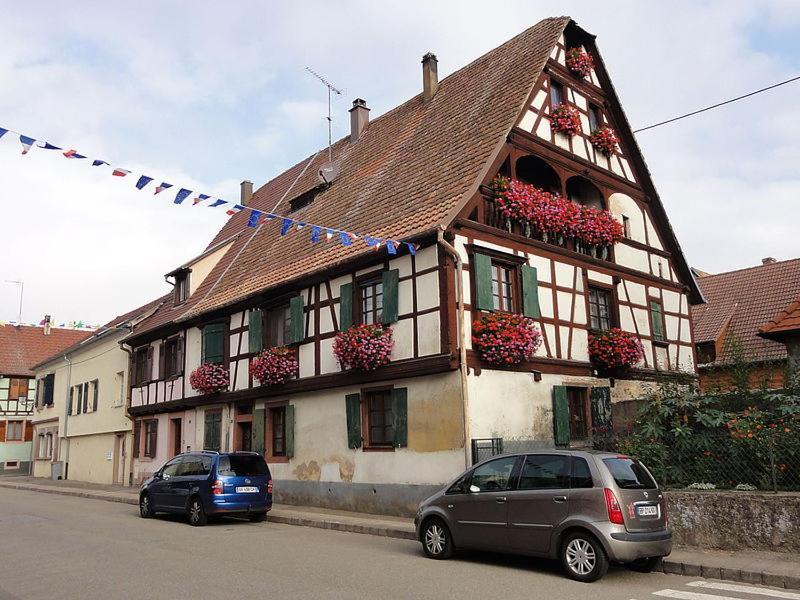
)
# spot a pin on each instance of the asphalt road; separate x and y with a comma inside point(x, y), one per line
point(58, 547)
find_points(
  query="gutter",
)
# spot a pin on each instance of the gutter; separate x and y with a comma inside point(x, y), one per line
point(462, 348)
point(65, 459)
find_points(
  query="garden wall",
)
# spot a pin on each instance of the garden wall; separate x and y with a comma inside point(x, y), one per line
point(735, 520)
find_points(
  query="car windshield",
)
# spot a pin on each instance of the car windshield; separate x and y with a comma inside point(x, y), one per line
point(241, 465)
point(629, 474)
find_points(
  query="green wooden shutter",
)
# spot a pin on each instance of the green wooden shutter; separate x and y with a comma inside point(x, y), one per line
point(96, 392)
point(400, 416)
point(257, 431)
point(213, 434)
point(297, 324)
point(560, 415)
point(79, 403)
point(657, 320)
point(345, 307)
point(530, 292)
point(390, 299)
point(214, 343)
point(289, 424)
point(162, 359)
point(353, 407)
point(255, 331)
point(600, 398)
point(71, 394)
point(482, 268)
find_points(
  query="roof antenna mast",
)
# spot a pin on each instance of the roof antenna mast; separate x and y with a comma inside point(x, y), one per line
point(331, 88)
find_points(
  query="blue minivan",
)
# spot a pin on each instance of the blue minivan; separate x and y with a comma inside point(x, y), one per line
point(201, 484)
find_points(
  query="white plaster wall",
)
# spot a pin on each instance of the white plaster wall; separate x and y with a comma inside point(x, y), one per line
point(632, 258)
point(403, 336)
point(203, 266)
point(430, 334)
point(622, 204)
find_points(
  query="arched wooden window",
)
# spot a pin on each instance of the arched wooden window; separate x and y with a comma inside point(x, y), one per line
point(533, 170)
point(582, 191)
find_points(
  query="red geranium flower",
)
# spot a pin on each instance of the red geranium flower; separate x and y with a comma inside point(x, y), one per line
point(209, 378)
point(363, 347)
point(274, 366)
point(579, 61)
point(505, 339)
point(615, 348)
point(565, 119)
point(604, 139)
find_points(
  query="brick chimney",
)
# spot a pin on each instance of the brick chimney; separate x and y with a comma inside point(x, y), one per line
point(47, 324)
point(430, 75)
point(768, 260)
point(359, 119)
point(246, 192)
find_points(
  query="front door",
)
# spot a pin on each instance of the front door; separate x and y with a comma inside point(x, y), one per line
point(539, 503)
point(481, 515)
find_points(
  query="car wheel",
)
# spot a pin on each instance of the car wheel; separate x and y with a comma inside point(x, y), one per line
point(258, 517)
point(436, 540)
point(145, 507)
point(583, 557)
point(197, 516)
point(645, 565)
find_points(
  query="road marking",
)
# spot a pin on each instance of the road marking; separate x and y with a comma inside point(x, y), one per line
point(681, 595)
point(744, 589)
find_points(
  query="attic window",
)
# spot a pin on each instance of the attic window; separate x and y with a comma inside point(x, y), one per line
point(595, 118)
point(706, 352)
point(306, 198)
point(181, 287)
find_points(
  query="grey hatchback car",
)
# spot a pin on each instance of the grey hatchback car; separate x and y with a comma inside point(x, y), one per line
point(586, 508)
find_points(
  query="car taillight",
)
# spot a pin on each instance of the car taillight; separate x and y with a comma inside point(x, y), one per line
point(269, 486)
point(216, 487)
point(614, 510)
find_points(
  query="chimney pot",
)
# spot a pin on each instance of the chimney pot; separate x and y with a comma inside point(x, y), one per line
point(47, 324)
point(359, 119)
point(430, 75)
point(246, 192)
point(768, 260)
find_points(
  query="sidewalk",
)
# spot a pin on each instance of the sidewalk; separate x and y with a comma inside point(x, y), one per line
point(768, 568)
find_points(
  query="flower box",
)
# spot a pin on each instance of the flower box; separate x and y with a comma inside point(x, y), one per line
point(565, 119)
point(274, 366)
point(363, 347)
point(209, 378)
point(605, 140)
point(579, 61)
point(504, 339)
point(614, 349)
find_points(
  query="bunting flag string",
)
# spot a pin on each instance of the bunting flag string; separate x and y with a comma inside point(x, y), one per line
point(255, 217)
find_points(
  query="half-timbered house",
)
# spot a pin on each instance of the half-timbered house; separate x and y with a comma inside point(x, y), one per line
point(422, 173)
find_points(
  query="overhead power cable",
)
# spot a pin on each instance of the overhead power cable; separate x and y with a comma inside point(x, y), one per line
point(695, 112)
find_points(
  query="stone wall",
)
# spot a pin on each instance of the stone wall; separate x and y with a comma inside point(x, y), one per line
point(735, 520)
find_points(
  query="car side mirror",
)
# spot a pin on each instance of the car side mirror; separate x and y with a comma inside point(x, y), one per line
point(474, 488)
point(157, 474)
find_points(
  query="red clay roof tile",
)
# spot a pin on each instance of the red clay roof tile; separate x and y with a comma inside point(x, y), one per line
point(23, 347)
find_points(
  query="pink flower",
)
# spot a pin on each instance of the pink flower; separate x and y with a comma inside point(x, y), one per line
point(505, 339)
point(274, 366)
point(604, 139)
point(209, 378)
point(579, 61)
point(615, 348)
point(565, 119)
point(363, 347)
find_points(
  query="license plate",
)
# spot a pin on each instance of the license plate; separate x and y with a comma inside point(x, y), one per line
point(246, 489)
point(647, 511)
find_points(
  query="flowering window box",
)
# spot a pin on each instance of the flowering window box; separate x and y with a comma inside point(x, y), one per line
point(274, 366)
point(579, 62)
point(605, 140)
point(614, 349)
point(504, 339)
point(363, 347)
point(210, 378)
point(565, 119)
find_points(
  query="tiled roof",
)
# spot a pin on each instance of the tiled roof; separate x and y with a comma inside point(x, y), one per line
point(787, 320)
point(745, 300)
point(23, 347)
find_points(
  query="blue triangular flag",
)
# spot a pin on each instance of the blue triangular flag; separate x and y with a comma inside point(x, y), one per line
point(255, 215)
point(286, 224)
point(391, 247)
point(345, 238)
point(218, 203)
point(3, 131)
point(47, 145)
point(412, 249)
point(371, 241)
point(315, 231)
point(98, 162)
point(182, 194)
point(143, 181)
point(26, 142)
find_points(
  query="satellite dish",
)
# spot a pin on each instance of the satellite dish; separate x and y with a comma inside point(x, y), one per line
point(328, 172)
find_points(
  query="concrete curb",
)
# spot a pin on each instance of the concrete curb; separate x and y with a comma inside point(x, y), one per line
point(687, 568)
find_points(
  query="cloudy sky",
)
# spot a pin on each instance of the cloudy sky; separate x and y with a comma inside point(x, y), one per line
point(205, 95)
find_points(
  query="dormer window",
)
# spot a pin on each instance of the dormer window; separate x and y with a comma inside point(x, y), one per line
point(181, 287)
point(306, 198)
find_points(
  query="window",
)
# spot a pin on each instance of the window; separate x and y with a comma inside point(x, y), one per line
point(173, 357)
point(657, 321)
point(150, 437)
point(600, 305)
point(380, 420)
point(48, 383)
point(181, 287)
point(14, 431)
point(277, 417)
point(556, 93)
point(277, 322)
point(241, 466)
point(595, 118)
point(578, 413)
point(629, 474)
point(214, 335)
point(195, 465)
point(171, 468)
point(177, 435)
point(581, 475)
point(545, 472)
point(503, 283)
point(493, 476)
point(582, 191)
point(535, 171)
point(119, 400)
point(626, 226)
point(141, 370)
point(371, 300)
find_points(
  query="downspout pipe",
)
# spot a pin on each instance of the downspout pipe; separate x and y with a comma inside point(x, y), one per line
point(129, 352)
point(462, 347)
point(65, 459)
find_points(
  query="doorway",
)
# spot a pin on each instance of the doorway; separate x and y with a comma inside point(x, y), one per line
point(579, 415)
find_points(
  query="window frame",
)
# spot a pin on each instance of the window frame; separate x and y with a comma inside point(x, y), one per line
point(149, 439)
point(613, 307)
point(172, 342)
point(181, 288)
point(662, 340)
point(512, 261)
point(366, 419)
point(568, 463)
point(586, 413)
point(513, 476)
point(372, 279)
point(140, 363)
point(16, 422)
point(266, 329)
point(274, 434)
point(594, 113)
point(557, 88)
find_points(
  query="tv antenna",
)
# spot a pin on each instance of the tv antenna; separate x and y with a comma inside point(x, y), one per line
point(335, 90)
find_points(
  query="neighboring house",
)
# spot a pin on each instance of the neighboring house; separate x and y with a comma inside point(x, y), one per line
point(81, 428)
point(748, 322)
point(21, 347)
point(420, 173)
